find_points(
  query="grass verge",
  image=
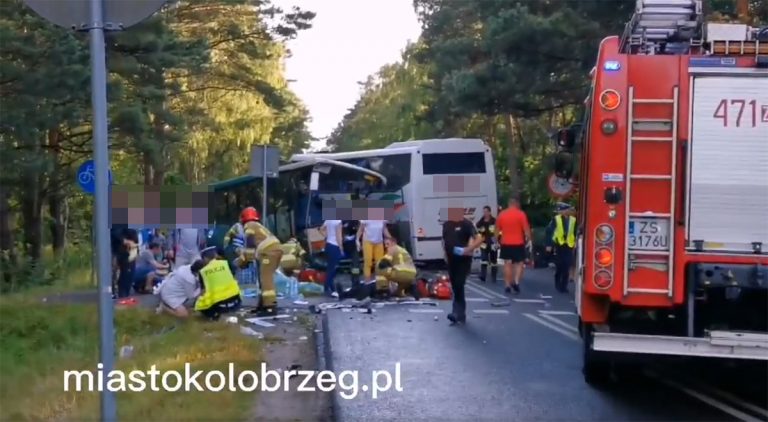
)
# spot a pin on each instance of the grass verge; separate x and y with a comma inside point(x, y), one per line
point(39, 342)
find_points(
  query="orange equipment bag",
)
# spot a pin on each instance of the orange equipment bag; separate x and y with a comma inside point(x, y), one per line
point(442, 288)
point(422, 285)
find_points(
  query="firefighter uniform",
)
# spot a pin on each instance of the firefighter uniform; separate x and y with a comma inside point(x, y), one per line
point(293, 257)
point(261, 246)
point(564, 240)
point(488, 250)
point(396, 272)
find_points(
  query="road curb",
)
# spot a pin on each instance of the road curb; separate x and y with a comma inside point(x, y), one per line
point(324, 359)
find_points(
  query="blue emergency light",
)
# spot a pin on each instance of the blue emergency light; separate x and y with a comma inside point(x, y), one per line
point(612, 66)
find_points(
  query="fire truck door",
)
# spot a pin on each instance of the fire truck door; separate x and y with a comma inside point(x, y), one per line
point(728, 162)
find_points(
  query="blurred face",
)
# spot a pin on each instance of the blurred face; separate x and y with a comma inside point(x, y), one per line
point(486, 213)
point(455, 214)
point(389, 242)
point(376, 214)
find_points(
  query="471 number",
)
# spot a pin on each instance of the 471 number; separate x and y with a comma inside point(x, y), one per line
point(737, 110)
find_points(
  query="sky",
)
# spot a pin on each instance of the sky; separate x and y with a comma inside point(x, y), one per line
point(349, 40)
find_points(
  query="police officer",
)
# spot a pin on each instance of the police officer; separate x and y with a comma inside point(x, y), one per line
point(486, 226)
point(563, 240)
point(220, 292)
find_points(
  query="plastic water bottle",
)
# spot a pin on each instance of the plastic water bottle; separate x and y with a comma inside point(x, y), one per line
point(293, 288)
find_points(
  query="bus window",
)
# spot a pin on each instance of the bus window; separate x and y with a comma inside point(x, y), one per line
point(454, 163)
point(395, 167)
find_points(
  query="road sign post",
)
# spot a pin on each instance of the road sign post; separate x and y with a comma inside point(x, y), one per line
point(265, 163)
point(96, 16)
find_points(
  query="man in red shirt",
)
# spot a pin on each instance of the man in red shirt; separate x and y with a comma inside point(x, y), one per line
point(515, 232)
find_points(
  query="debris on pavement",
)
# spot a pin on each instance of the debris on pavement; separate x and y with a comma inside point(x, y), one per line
point(543, 296)
point(250, 332)
point(126, 352)
point(232, 320)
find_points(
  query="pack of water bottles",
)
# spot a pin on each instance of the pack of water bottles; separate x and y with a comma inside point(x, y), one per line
point(287, 287)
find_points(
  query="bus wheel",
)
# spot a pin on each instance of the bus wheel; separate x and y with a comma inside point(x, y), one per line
point(596, 366)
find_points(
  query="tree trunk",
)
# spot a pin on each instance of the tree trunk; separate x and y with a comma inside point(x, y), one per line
point(31, 207)
point(56, 198)
point(148, 169)
point(159, 166)
point(512, 153)
point(7, 250)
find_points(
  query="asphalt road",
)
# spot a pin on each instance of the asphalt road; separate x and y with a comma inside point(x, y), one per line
point(520, 362)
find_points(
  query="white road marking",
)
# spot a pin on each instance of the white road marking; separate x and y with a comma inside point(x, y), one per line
point(736, 400)
point(486, 290)
point(478, 291)
point(562, 331)
point(711, 401)
point(529, 301)
point(562, 324)
point(556, 312)
point(426, 311)
point(490, 311)
point(476, 299)
point(258, 321)
point(270, 317)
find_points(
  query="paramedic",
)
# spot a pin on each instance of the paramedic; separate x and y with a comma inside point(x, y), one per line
point(220, 292)
point(486, 226)
point(515, 237)
point(460, 239)
point(563, 228)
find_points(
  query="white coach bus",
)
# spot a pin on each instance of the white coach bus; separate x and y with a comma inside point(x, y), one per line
point(423, 176)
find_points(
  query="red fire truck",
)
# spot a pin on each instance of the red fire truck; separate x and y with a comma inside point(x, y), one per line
point(672, 252)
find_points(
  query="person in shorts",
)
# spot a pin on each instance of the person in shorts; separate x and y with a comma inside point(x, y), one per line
point(515, 233)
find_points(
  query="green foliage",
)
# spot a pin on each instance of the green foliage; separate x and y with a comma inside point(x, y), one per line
point(191, 89)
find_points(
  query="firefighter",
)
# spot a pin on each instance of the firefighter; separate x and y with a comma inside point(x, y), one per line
point(395, 275)
point(261, 246)
point(563, 241)
point(486, 226)
point(293, 257)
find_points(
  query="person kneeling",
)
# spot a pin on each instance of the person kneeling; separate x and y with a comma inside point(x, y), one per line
point(180, 288)
point(395, 276)
point(220, 291)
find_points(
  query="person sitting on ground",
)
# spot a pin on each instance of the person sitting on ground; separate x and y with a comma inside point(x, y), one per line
point(148, 269)
point(220, 291)
point(395, 275)
point(179, 289)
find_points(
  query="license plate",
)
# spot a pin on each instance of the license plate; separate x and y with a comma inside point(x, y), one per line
point(650, 234)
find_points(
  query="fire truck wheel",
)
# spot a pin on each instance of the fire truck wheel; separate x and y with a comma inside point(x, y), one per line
point(596, 365)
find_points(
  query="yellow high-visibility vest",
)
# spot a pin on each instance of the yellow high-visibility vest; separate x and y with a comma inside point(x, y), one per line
point(559, 235)
point(219, 282)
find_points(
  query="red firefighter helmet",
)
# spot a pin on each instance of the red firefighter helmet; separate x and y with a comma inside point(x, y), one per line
point(249, 214)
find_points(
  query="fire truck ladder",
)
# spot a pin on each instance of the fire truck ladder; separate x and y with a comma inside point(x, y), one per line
point(663, 126)
point(656, 23)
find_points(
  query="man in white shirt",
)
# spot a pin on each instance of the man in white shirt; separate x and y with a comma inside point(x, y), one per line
point(188, 243)
point(331, 229)
point(372, 233)
point(179, 287)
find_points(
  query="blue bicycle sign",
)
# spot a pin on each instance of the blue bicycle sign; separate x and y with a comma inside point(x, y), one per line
point(86, 177)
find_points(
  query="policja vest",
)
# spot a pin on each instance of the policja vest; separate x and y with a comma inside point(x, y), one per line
point(219, 283)
point(559, 235)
